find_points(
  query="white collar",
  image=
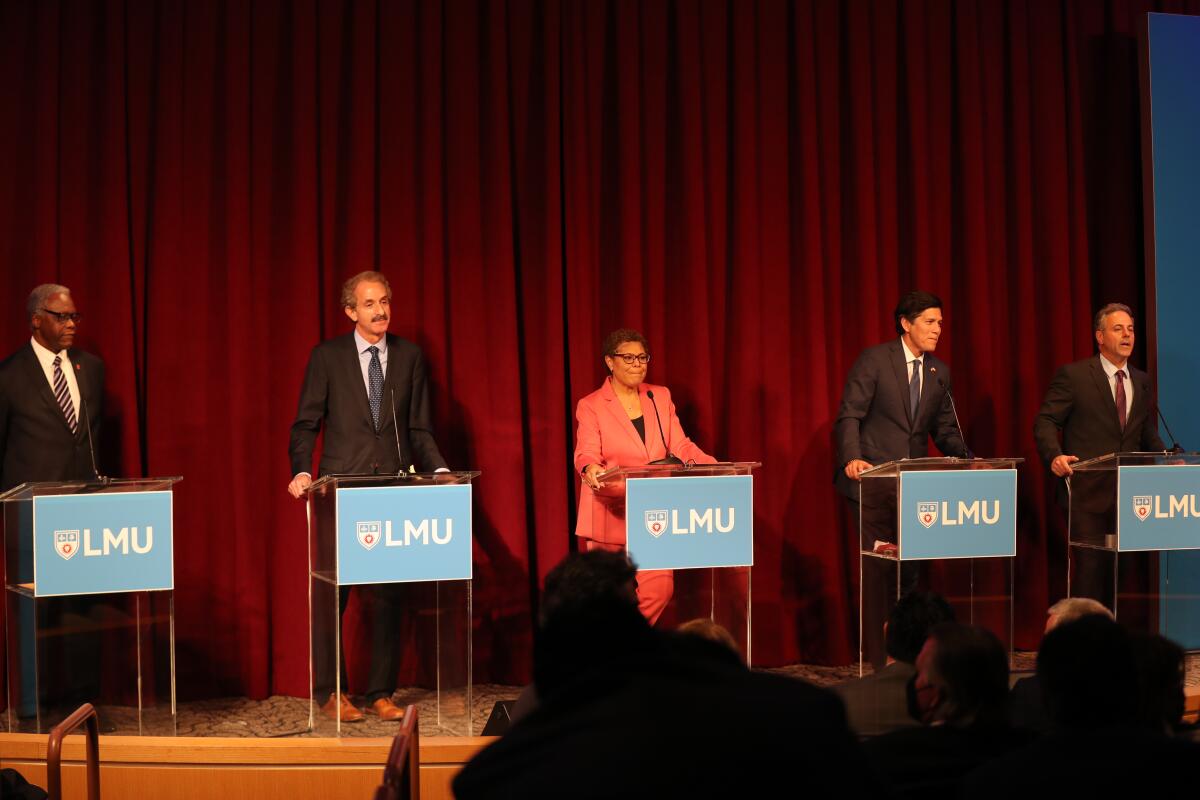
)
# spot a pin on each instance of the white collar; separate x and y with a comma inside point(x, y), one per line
point(909, 356)
point(44, 354)
point(362, 344)
point(1110, 369)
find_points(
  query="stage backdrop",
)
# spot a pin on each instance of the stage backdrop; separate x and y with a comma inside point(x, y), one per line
point(750, 183)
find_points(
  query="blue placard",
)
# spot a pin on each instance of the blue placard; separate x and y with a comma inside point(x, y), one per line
point(399, 534)
point(684, 523)
point(1158, 507)
point(958, 514)
point(102, 543)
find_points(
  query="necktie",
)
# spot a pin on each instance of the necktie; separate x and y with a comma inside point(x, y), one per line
point(375, 381)
point(1121, 397)
point(914, 387)
point(63, 395)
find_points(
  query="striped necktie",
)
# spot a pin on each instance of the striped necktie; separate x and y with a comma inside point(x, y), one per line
point(63, 395)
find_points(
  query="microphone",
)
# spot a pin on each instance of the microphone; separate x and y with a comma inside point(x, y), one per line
point(670, 459)
point(396, 431)
point(953, 407)
point(88, 422)
point(1175, 446)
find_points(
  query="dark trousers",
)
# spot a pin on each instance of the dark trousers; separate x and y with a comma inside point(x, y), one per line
point(883, 582)
point(385, 617)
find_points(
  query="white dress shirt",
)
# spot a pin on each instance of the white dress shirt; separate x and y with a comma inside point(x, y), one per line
point(909, 359)
point(46, 359)
point(1110, 369)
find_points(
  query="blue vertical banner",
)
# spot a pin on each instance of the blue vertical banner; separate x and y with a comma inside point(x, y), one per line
point(103, 543)
point(690, 522)
point(1170, 61)
point(957, 514)
point(401, 534)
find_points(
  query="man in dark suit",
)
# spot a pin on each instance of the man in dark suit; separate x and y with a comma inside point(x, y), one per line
point(368, 390)
point(897, 395)
point(51, 399)
point(1100, 405)
point(1082, 401)
point(51, 396)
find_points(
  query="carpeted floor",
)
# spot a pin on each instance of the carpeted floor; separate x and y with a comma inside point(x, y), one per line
point(288, 716)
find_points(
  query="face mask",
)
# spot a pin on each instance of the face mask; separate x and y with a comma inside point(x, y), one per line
point(921, 704)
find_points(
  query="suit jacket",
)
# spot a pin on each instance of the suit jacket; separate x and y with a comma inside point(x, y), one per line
point(1080, 403)
point(641, 724)
point(334, 395)
point(875, 423)
point(35, 442)
point(605, 435)
point(878, 703)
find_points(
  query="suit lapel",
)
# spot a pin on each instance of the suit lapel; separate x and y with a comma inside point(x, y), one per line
point(1106, 396)
point(34, 370)
point(353, 371)
point(618, 413)
point(900, 368)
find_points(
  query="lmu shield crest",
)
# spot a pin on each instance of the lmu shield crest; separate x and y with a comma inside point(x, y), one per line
point(66, 543)
point(1141, 507)
point(369, 533)
point(656, 523)
point(927, 514)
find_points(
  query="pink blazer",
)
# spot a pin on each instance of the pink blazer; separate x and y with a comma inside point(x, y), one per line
point(605, 435)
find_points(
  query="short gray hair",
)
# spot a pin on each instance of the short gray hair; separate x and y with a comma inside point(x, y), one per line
point(1073, 608)
point(39, 296)
point(1111, 308)
point(348, 299)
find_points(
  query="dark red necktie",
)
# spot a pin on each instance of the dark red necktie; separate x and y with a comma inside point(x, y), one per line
point(1121, 397)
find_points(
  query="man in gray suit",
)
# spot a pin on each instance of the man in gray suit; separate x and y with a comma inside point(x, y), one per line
point(878, 703)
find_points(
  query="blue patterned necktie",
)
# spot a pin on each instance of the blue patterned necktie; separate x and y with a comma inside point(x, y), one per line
point(375, 381)
point(914, 387)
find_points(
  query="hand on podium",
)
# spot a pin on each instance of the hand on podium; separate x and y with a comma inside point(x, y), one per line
point(299, 485)
point(855, 467)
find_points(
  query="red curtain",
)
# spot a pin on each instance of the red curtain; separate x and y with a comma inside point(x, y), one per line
point(752, 184)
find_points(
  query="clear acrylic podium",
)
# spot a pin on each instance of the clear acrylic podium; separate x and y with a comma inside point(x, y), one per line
point(433, 617)
point(1120, 519)
point(978, 587)
point(114, 649)
point(721, 594)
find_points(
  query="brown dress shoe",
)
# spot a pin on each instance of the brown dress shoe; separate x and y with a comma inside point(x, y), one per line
point(387, 710)
point(339, 706)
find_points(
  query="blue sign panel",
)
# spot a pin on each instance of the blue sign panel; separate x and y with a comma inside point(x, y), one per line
point(399, 534)
point(102, 543)
point(958, 514)
point(684, 523)
point(1158, 508)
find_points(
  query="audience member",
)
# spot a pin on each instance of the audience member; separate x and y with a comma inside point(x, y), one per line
point(627, 711)
point(960, 694)
point(1160, 665)
point(878, 703)
point(1104, 742)
point(1026, 708)
point(711, 631)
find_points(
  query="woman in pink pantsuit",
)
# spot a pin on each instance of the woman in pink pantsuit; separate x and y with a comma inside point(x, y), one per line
point(617, 427)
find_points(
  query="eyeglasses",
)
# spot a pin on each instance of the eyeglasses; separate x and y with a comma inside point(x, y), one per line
point(632, 358)
point(63, 316)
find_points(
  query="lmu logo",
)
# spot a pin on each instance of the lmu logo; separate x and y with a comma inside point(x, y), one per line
point(927, 514)
point(66, 543)
point(369, 533)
